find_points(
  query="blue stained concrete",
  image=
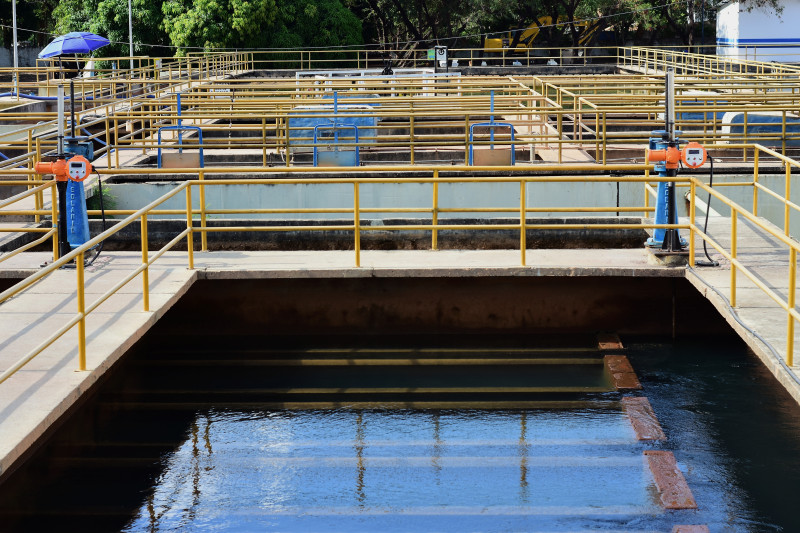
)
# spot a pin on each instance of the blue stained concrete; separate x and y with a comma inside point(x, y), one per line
point(354, 115)
point(699, 115)
point(758, 123)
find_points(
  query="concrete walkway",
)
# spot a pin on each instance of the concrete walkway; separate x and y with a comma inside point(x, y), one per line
point(760, 316)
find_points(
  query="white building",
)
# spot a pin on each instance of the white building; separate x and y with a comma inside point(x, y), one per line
point(761, 33)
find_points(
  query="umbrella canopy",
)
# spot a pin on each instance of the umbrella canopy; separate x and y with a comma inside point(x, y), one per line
point(76, 42)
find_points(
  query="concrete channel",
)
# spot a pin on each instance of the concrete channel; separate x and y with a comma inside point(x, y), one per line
point(277, 386)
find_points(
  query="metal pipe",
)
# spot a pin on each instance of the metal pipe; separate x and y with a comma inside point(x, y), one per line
point(81, 289)
point(790, 304)
point(60, 119)
point(72, 108)
point(130, 31)
point(16, 46)
point(669, 112)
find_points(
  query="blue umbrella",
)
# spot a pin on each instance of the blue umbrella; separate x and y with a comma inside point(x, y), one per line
point(76, 42)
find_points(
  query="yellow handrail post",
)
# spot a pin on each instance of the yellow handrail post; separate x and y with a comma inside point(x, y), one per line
point(190, 235)
point(744, 150)
point(646, 183)
point(263, 142)
point(435, 212)
point(791, 305)
point(560, 140)
point(38, 200)
point(411, 130)
point(466, 140)
point(755, 181)
point(286, 136)
point(783, 133)
point(604, 137)
point(357, 222)
point(145, 261)
point(786, 201)
point(108, 141)
point(203, 234)
point(692, 227)
point(54, 216)
point(81, 312)
point(523, 245)
point(734, 214)
point(116, 143)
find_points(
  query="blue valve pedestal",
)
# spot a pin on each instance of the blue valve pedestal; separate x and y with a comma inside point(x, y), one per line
point(77, 218)
point(659, 140)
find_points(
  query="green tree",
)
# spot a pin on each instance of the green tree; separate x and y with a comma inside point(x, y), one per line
point(31, 15)
point(212, 24)
point(315, 24)
point(325, 24)
point(405, 26)
point(109, 18)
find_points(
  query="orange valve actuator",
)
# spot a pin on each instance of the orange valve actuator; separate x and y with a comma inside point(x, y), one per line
point(76, 168)
point(670, 155)
point(693, 155)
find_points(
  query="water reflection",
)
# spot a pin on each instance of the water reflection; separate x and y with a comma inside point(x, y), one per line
point(523, 458)
point(360, 496)
point(297, 470)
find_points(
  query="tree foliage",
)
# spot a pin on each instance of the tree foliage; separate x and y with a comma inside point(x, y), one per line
point(405, 25)
point(315, 24)
point(164, 25)
point(218, 23)
point(32, 15)
point(109, 18)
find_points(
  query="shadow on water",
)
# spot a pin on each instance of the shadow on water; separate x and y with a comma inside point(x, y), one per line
point(136, 461)
point(732, 426)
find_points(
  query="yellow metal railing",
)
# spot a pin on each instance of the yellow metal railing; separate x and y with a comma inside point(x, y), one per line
point(358, 209)
point(77, 256)
point(657, 60)
point(197, 223)
point(598, 115)
point(35, 192)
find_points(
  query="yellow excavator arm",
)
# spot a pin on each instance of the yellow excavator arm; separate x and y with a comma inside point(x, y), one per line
point(529, 34)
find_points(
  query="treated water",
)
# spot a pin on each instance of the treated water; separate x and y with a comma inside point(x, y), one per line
point(170, 465)
point(399, 471)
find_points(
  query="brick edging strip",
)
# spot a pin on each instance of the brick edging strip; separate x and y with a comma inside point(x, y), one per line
point(675, 493)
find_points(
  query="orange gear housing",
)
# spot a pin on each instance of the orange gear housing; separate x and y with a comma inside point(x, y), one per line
point(57, 168)
point(670, 155)
point(76, 168)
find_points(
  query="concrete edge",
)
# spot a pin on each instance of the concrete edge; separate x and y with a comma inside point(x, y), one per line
point(18, 274)
point(207, 273)
point(31, 442)
point(761, 350)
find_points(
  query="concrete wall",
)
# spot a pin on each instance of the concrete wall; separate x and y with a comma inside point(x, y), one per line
point(758, 34)
point(503, 195)
point(441, 306)
point(27, 56)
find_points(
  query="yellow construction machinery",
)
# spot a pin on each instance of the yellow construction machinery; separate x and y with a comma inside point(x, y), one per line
point(509, 45)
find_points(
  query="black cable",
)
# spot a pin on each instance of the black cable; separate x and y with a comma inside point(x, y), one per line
point(710, 262)
point(103, 215)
